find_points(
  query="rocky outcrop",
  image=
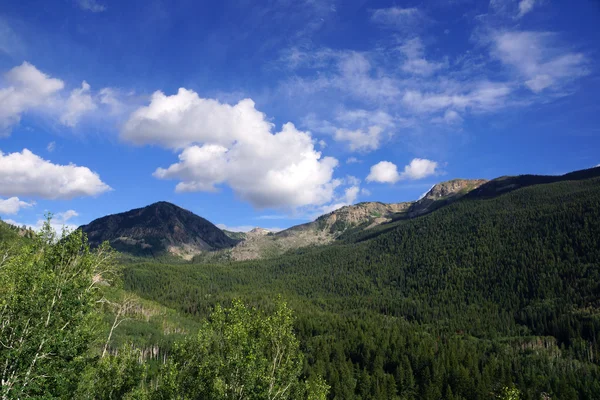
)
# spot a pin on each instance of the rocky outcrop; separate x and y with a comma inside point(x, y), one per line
point(442, 194)
point(260, 243)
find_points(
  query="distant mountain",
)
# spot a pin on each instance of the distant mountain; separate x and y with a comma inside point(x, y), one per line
point(443, 194)
point(505, 184)
point(325, 229)
point(158, 228)
point(164, 227)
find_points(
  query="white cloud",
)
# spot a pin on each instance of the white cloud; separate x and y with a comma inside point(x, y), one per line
point(384, 172)
point(51, 147)
point(450, 117)
point(419, 168)
point(13, 205)
point(415, 62)
point(234, 145)
point(59, 222)
point(363, 130)
point(111, 98)
point(539, 61)
point(360, 139)
point(245, 228)
point(387, 172)
point(26, 174)
point(405, 19)
point(481, 96)
point(351, 194)
point(28, 88)
point(79, 103)
point(91, 5)
point(525, 6)
point(10, 42)
point(350, 72)
point(352, 160)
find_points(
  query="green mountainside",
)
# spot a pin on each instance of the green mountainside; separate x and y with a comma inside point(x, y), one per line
point(477, 290)
point(495, 289)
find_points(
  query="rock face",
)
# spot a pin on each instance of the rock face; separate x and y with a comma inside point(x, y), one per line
point(442, 194)
point(373, 213)
point(260, 243)
point(158, 228)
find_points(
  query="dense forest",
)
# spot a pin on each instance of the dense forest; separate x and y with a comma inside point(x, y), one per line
point(492, 296)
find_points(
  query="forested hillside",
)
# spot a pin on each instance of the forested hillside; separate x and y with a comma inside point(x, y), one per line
point(494, 295)
point(478, 295)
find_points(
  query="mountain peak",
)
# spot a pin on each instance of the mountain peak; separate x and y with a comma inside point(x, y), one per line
point(260, 231)
point(444, 193)
point(156, 228)
point(453, 187)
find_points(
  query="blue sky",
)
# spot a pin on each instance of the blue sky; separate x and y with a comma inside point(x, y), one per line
point(269, 113)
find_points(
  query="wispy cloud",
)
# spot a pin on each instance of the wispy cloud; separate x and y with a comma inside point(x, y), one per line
point(415, 62)
point(91, 5)
point(408, 19)
point(525, 6)
point(538, 59)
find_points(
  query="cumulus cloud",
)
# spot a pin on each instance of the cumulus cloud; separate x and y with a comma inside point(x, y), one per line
point(28, 88)
point(26, 174)
point(384, 172)
point(387, 172)
point(348, 197)
point(234, 145)
point(91, 5)
point(59, 222)
point(415, 62)
point(79, 103)
point(13, 205)
point(538, 60)
point(419, 168)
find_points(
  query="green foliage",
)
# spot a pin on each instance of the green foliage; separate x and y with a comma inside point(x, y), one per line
point(113, 377)
point(240, 353)
point(510, 394)
point(47, 301)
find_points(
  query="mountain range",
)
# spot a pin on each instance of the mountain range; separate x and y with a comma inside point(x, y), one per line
point(164, 228)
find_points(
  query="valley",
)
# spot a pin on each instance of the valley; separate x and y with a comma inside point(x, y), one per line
point(476, 287)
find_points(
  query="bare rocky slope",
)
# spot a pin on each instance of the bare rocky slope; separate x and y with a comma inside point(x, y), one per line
point(361, 216)
point(323, 230)
point(444, 193)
